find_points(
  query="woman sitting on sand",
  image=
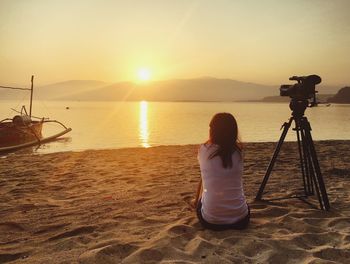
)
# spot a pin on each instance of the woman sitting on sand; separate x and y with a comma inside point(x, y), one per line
point(222, 204)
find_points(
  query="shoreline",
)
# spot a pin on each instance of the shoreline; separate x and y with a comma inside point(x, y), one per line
point(29, 151)
point(131, 206)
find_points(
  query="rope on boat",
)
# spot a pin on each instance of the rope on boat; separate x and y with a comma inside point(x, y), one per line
point(15, 88)
point(19, 112)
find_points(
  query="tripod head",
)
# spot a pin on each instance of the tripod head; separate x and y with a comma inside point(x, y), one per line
point(298, 107)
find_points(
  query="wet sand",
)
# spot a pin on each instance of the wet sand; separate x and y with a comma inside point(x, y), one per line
point(131, 206)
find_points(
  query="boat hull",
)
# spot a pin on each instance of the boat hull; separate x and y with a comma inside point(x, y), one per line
point(35, 142)
point(12, 135)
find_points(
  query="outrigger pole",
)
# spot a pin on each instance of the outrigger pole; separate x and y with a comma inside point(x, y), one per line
point(31, 97)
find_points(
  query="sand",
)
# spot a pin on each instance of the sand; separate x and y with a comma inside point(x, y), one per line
point(131, 206)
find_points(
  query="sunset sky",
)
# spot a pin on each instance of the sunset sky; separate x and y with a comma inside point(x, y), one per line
point(247, 40)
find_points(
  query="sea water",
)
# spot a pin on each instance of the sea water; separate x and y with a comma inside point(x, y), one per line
point(111, 125)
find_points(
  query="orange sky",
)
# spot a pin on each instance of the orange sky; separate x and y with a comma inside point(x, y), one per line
point(256, 41)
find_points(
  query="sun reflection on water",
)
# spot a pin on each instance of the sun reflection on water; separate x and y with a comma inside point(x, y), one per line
point(143, 125)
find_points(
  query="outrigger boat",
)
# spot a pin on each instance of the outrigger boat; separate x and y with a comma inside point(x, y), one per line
point(22, 131)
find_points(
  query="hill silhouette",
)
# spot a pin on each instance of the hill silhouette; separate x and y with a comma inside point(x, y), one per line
point(198, 89)
point(67, 88)
point(342, 97)
point(53, 91)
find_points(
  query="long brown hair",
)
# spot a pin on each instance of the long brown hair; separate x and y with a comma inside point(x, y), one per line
point(224, 133)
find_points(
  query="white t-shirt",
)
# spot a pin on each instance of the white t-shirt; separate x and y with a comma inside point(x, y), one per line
point(223, 200)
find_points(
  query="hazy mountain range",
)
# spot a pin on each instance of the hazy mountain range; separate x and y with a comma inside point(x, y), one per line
point(199, 89)
point(342, 97)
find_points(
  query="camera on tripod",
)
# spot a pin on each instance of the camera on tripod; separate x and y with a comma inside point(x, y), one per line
point(312, 178)
point(303, 90)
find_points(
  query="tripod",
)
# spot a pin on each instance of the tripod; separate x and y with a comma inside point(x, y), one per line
point(310, 168)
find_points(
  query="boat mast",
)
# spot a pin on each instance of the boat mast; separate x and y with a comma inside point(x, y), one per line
point(31, 97)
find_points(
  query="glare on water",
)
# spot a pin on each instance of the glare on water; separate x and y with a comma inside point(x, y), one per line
point(105, 125)
point(143, 128)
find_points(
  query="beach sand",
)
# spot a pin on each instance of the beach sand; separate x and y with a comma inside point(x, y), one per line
point(131, 206)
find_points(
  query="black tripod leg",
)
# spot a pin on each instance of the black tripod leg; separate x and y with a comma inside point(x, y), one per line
point(307, 161)
point(313, 178)
point(301, 156)
point(286, 127)
point(318, 180)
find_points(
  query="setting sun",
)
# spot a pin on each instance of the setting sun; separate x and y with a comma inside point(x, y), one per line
point(144, 74)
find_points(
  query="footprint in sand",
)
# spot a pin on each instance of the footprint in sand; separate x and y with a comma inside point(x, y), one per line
point(7, 257)
point(310, 241)
point(153, 255)
point(334, 254)
point(280, 256)
point(144, 255)
point(75, 232)
point(11, 226)
point(341, 224)
point(50, 228)
point(255, 248)
point(198, 246)
point(113, 253)
point(181, 229)
point(271, 211)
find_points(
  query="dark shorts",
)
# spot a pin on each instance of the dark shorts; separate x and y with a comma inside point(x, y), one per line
point(241, 224)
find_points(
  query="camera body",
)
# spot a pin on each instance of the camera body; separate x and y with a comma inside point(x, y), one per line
point(304, 89)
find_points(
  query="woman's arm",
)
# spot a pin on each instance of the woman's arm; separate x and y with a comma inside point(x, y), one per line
point(198, 194)
point(194, 202)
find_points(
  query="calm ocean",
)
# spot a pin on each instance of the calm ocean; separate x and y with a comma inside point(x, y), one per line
point(109, 125)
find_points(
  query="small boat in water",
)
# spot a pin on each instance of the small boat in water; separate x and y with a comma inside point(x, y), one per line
point(22, 131)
